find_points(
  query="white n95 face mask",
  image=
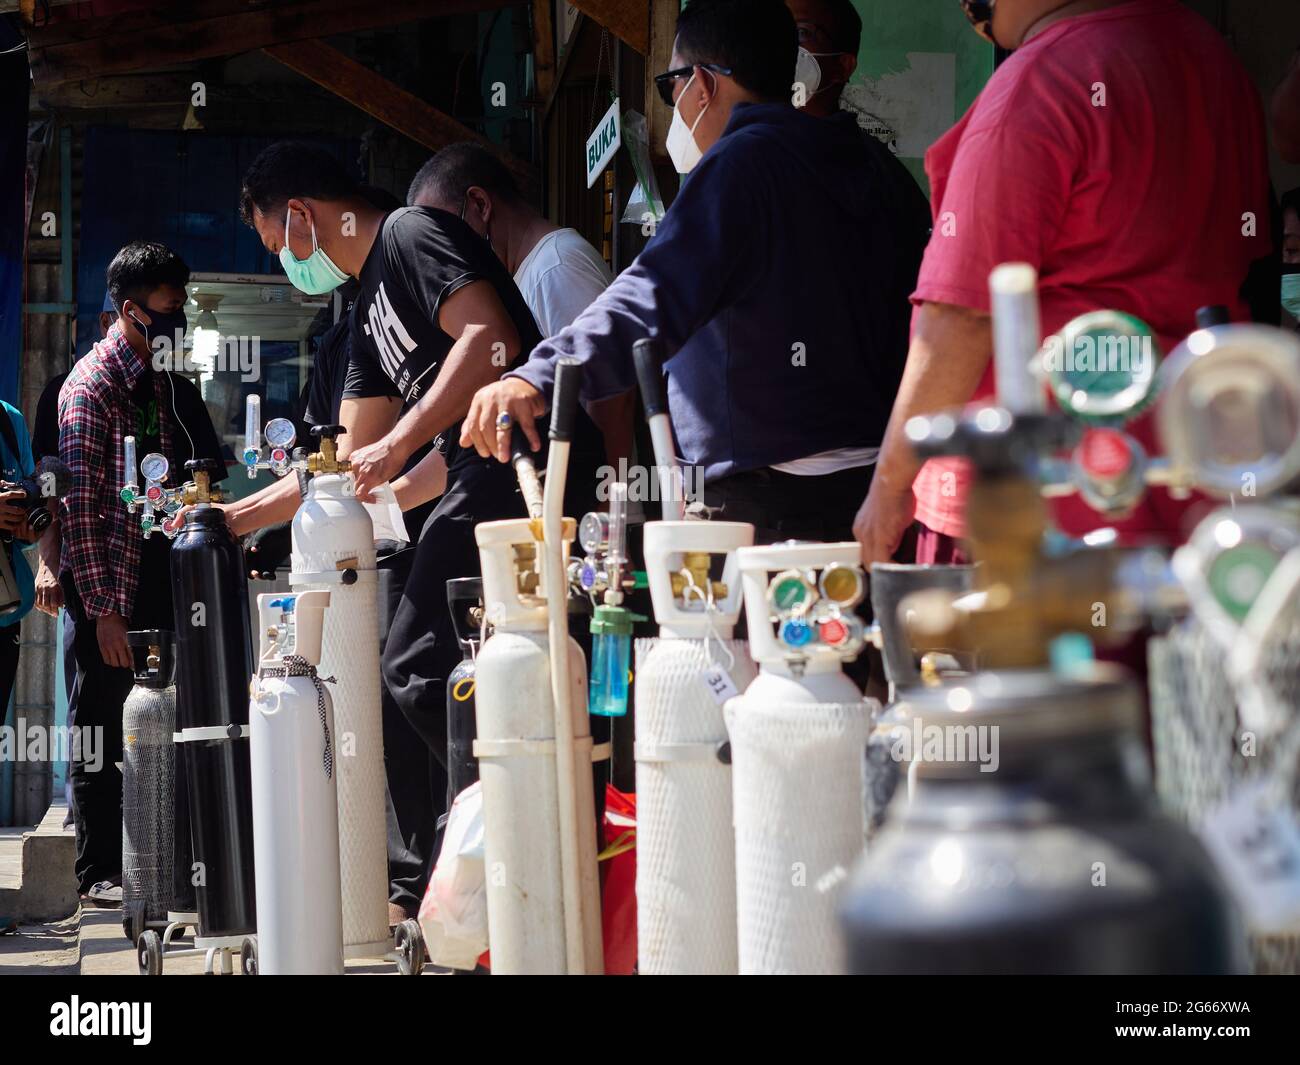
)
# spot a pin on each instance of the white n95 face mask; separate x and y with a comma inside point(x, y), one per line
point(808, 72)
point(682, 149)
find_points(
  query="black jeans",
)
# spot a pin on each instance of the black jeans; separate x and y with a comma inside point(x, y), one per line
point(96, 780)
point(416, 780)
point(421, 649)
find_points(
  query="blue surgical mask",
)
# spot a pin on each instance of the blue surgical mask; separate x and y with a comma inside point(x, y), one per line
point(314, 275)
point(1291, 295)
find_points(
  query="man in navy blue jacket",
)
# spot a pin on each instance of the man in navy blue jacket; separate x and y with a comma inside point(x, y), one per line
point(772, 282)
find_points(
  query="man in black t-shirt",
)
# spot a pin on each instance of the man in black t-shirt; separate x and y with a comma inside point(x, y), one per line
point(437, 318)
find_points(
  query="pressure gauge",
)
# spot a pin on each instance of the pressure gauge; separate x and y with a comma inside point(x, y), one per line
point(790, 592)
point(1230, 418)
point(1102, 366)
point(154, 467)
point(280, 433)
point(1229, 559)
point(795, 633)
point(593, 532)
point(843, 585)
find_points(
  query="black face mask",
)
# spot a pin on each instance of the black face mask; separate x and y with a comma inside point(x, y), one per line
point(162, 324)
point(980, 13)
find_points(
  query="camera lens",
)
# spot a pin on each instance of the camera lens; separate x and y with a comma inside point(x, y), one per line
point(39, 519)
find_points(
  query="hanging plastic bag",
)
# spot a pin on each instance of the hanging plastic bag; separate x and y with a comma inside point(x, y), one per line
point(645, 207)
point(453, 915)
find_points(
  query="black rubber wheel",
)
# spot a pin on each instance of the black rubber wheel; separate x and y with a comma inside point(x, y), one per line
point(248, 957)
point(133, 919)
point(149, 953)
point(408, 942)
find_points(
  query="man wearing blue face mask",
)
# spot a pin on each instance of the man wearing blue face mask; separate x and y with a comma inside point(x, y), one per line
point(772, 282)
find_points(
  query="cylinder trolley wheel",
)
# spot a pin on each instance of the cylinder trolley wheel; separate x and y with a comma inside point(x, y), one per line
point(408, 941)
point(133, 919)
point(248, 957)
point(149, 953)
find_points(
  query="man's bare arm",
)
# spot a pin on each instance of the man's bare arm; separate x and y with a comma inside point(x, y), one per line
point(951, 347)
point(487, 343)
point(485, 346)
point(365, 420)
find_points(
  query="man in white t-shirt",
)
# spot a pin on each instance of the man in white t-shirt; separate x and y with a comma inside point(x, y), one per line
point(558, 272)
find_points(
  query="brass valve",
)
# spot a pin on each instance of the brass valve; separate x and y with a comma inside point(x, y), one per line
point(200, 490)
point(696, 563)
point(527, 577)
point(327, 460)
point(1023, 598)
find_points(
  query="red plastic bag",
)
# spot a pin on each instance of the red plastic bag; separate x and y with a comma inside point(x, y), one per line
point(618, 895)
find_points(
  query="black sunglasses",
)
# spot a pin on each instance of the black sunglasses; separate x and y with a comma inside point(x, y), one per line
point(664, 81)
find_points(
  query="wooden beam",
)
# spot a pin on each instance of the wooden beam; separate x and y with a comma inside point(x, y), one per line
point(73, 50)
point(543, 47)
point(628, 20)
point(389, 103)
point(127, 90)
point(663, 31)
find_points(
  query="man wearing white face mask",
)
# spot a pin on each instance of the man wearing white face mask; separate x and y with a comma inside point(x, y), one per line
point(768, 283)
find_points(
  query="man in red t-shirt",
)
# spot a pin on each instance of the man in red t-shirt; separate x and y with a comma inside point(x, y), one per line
point(1121, 151)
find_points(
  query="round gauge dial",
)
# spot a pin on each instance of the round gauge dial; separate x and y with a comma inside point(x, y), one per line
point(796, 633)
point(593, 531)
point(280, 433)
point(1239, 574)
point(842, 584)
point(1102, 366)
point(790, 591)
point(154, 467)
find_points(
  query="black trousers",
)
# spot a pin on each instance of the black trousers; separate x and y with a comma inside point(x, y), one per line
point(421, 649)
point(10, 638)
point(785, 506)
point(96, 780)
point(416, 780)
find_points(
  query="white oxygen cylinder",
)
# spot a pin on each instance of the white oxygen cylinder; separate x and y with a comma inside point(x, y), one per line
point(334, 550)
point(798, 738)
point(515, 747)
point(295, 807)
point(686, 848)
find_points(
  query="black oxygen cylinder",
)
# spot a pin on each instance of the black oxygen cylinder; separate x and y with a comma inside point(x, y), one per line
point(215, 660)
point(465, 600)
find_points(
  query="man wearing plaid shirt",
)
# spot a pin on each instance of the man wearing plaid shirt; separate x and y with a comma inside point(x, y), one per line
point(114, 580)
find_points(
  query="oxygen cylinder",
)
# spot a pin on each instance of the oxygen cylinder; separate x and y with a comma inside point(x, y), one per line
point(797, 739)
point(890, 585)
point(465, 601)
point(214, 662)
point(1055, 860)
point(686, 848)
point(334, 551)
point(295, 804)
point(516, 754)
point(155, 844)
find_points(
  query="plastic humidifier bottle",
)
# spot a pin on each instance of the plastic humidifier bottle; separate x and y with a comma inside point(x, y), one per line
point(611, 661)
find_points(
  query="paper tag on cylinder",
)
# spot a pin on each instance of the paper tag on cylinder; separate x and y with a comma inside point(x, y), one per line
point(720, 684)
point(1256, 843)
